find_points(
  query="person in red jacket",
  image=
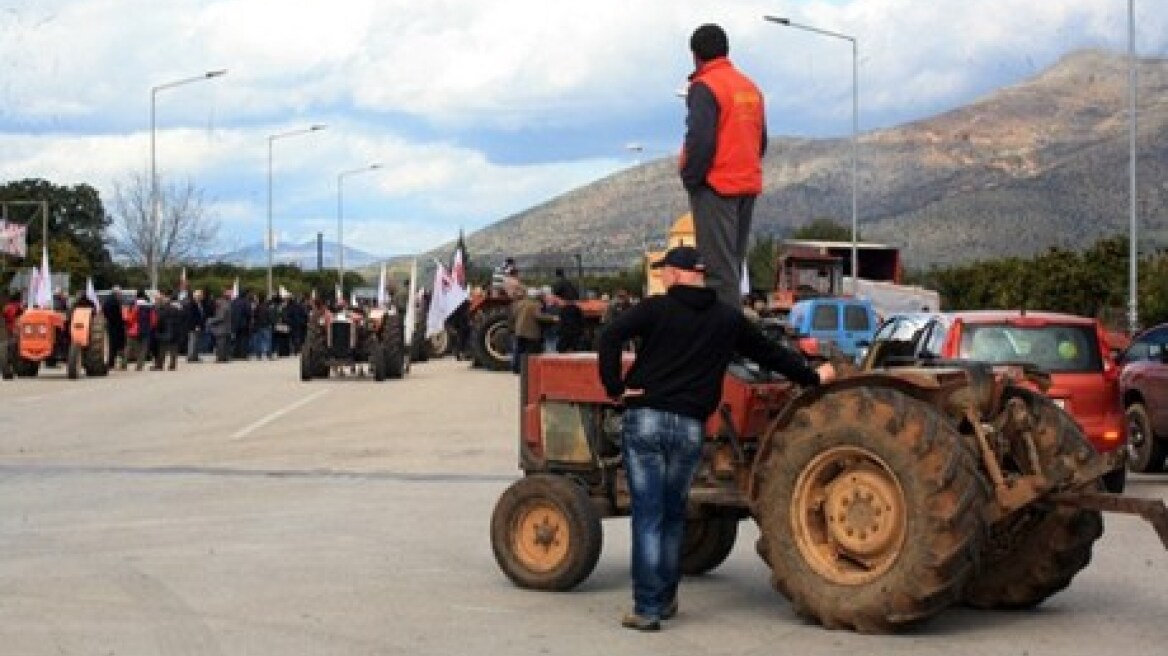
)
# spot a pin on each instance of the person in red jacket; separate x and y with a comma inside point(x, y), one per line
point(721, 160)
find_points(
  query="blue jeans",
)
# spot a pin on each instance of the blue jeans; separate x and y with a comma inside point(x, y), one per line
point(661, 453)
point(261, 342)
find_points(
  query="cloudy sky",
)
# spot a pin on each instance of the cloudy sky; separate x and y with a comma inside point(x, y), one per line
point(476, 109)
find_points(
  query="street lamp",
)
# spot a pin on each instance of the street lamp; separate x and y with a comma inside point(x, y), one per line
point(154, 243)
point(271, 242)
point(341, 219)
point(1133, 308)
point(855, 125)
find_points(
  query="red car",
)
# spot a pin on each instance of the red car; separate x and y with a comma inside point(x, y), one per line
point(1074, 350)
point(1144, 385)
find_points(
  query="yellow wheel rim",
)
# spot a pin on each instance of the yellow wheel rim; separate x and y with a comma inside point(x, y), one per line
point(542, 536)
point(848, 515)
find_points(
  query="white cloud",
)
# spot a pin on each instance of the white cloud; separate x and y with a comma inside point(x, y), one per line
point(468, 104)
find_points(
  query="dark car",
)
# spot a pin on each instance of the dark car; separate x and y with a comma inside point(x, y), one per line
point(1143, 384)
point(1073, 350)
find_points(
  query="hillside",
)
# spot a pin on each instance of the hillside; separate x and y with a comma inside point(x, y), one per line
point(1038, 164)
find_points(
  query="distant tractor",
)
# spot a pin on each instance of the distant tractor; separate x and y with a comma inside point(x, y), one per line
point(345, 339)
point(490, 329)
point(42, 335)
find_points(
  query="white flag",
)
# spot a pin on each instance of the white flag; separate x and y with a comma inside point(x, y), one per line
point(744, 286)
point(381, 295)
point(91, 293)
point(447, 296)
point(34, 287)
point(412, 306)
point(235, 289)
point(44, 292)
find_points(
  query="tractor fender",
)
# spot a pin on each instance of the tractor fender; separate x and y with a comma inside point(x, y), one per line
point(922, 387)
point(79, 326)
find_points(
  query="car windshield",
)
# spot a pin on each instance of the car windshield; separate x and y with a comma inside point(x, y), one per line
point(1053, 347)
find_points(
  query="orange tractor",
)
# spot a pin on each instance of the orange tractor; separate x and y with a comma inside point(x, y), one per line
point(490, 329)
point(43, 335)
point(880, 499)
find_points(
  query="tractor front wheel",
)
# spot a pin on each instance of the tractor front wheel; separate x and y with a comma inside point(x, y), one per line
point(707, 543)
point(546, 533)
point(869, 506)
point(73, 362)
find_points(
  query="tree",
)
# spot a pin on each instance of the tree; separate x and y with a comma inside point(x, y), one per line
point(76, 216)
point(823, 229)
point(186, 229)
point(760, 263)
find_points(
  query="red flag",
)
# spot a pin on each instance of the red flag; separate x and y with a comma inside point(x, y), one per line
point(458, 269)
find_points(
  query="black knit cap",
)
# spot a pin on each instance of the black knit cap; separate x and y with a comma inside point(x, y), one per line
point(681, 257)
point(709, 42)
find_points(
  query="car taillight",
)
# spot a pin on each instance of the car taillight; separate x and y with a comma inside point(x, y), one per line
point(1110, 370)
point(809, 346)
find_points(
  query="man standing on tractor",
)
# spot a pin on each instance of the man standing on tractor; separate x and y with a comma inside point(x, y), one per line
point(721, 159)
point(671, 389)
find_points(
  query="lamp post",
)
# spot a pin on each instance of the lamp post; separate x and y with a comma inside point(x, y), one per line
point(855, 125)
point(1133, 307)
point(341, 218)
point(270, 241)
point(155, 242)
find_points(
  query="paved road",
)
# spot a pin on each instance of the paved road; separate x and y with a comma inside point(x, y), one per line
point(231, 509)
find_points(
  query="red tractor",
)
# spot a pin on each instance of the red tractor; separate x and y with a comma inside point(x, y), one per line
point(490, 329)
point(881, 499)
point(43, 335)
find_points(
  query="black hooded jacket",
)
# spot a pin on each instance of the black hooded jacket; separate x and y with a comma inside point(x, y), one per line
point(689, 339)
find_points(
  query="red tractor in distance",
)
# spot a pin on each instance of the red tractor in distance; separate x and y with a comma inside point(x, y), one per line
point(43, 335)
point(881, 499)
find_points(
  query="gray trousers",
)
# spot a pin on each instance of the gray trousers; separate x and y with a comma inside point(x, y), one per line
point(722, 224)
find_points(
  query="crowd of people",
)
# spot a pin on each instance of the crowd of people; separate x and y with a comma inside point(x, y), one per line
point(163, 326)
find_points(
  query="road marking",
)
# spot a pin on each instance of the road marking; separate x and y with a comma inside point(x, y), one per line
point(273, 416)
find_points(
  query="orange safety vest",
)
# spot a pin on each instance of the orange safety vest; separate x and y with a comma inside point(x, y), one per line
point(737, 166)
point(130, 317)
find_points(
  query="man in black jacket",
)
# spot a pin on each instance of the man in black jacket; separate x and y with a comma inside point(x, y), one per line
point(171, 333)
point(674, 385)
point(196, 317)
point(115, 328)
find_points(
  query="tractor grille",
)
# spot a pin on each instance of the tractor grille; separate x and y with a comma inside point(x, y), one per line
point(340, 339)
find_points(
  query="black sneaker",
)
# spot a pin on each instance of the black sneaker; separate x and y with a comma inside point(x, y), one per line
point(640, 623)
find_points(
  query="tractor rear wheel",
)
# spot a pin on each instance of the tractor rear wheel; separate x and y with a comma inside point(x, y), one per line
point(869, 505)
point(394, 350)
point(6, 357)
point(707, 543)
point(439, 344)
point(376, 359)
point(1041, 549)
point(546, 533)
point(306, 368)
point(490, 338)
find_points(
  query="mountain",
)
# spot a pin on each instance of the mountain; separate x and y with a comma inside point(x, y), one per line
point(1038, 164)
point(302, 255)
